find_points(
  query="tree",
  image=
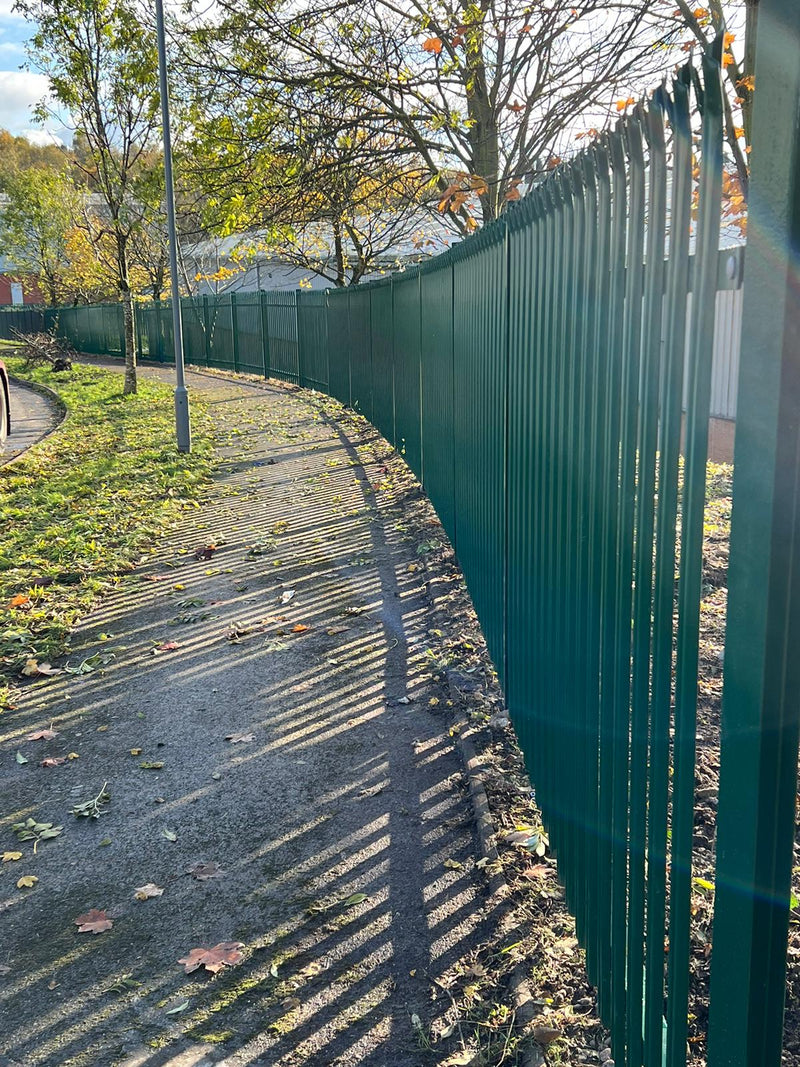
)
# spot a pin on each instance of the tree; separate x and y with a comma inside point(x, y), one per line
point(18, 153)
point(302, 178)
point(100, 60)
point(704, 22)
point(42, 208)
point(481, 92)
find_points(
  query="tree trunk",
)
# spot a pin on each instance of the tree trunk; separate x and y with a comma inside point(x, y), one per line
point(127, 313)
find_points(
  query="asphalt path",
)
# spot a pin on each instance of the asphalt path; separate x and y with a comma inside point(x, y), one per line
point(33, 415)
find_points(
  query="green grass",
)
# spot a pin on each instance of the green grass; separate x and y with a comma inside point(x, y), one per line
point(83, 505)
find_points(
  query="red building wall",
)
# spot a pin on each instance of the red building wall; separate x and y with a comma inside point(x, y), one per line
point(31, 293)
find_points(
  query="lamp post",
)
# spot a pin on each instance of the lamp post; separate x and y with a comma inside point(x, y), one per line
point(182, 428)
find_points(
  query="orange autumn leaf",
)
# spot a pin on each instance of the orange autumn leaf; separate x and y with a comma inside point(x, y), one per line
point(19, 600)
point(299, 629)
point(225, 954)
point(621, 105)
point(433, 44)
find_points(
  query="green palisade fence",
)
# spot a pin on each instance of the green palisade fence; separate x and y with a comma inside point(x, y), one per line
point(535, 378)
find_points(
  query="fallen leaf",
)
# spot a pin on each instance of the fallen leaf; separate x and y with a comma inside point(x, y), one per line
point(27, 881)
point(203, 871)
point(10, 857)
point(73, 755)
point(165, 646)
point(299, 629)
point(291, 1002)
point(356, 898)
point(236, 738)
point(540, 870)
point(20, 758)
point(287, 595)
point(178, 1008)
point(93, 922)
point(41, 735)
point(53, 761)
point(545, 1035)
point(453, 865)
point(102, 729)
point(147, 892)
point(169, 834)
point(225, 954)
point(19, 600)
point(147, 766)
point(136, 752)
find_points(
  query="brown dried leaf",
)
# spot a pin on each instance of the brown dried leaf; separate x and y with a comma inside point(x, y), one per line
point(203, 871)
point(93, 922)
point(225, 954)
point(53, 761)
point(41, 735)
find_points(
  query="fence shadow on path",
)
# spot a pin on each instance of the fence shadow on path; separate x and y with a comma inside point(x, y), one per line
point(338, 816)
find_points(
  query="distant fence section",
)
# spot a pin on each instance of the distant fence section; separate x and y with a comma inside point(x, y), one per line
point(285, 334)
point(536, 378)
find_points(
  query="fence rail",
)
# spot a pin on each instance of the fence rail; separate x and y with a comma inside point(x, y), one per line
point(534, 378)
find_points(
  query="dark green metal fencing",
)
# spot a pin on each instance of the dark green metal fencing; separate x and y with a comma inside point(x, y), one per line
point(534, 379)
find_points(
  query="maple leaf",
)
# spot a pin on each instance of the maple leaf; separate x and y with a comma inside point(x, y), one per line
point(93, 922)
point(147, 892)
point(41, 735)
point(225, 954)
point(433, 44)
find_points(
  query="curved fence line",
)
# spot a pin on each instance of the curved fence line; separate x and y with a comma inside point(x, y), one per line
point(534, 378)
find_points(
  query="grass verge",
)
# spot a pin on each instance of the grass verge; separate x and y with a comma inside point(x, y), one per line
point(79, 508)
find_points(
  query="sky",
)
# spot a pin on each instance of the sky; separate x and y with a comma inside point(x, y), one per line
point(20, 90)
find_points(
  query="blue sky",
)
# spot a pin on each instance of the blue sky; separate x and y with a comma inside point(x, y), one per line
point(20, 90)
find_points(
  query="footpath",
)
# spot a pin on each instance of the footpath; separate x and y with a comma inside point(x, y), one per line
point(283, 858)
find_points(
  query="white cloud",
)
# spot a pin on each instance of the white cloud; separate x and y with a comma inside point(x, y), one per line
point(20, 90)
point(42, 137)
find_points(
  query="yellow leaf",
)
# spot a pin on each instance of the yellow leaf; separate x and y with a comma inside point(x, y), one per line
point(136, 752)
point(10, 856)
point(73, 755)
point(27, 881)
point(453, 865)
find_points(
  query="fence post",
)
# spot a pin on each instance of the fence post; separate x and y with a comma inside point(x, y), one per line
point(206, 332)
point(234, 334)
point(761, 697)
point(300, 376)
point(264, 319)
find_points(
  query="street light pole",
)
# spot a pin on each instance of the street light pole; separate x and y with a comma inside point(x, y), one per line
point(182, 428)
